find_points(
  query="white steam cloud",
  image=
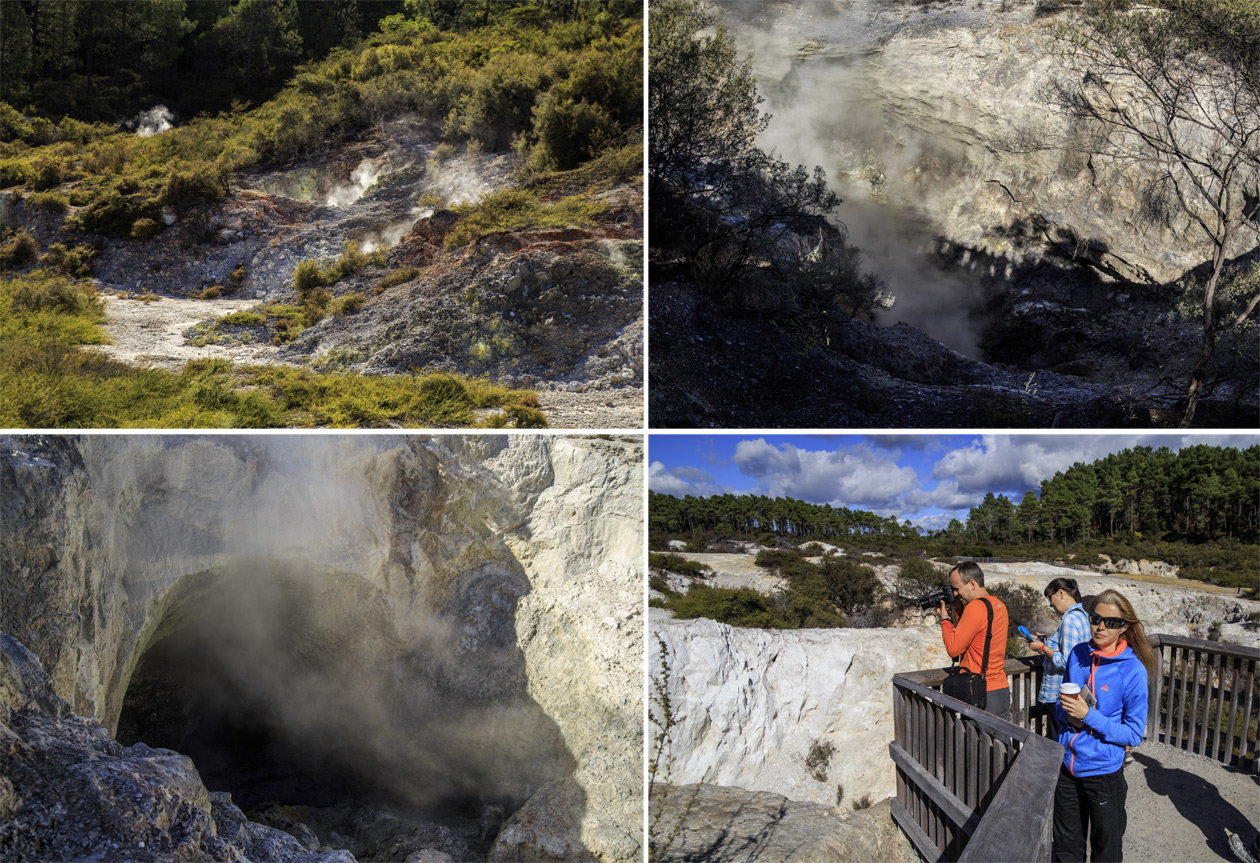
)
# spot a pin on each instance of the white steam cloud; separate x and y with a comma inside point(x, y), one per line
point(151, 122)
point(361, 179)
point(827, 111)
point(364, 634)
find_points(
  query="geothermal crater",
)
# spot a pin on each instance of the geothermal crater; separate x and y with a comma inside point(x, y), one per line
point(1048, 278)
point(389, 645)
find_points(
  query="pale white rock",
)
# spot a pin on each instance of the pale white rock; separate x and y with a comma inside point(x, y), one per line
point(108, 542)
point(928, 96)
point(1162, 604)
point(754, 702)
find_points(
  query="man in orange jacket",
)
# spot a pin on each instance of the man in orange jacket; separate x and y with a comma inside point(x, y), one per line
point(967, 638)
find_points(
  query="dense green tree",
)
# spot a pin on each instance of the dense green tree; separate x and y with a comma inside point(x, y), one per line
point(259, 38)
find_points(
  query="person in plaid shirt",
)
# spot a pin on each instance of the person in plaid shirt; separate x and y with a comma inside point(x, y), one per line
point(1065, 599)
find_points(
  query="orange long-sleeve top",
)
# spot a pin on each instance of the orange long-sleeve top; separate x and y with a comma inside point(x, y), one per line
point(968, 639)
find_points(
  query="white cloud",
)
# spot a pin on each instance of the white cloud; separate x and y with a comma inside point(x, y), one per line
point(946, 495)
point(858, 477)
point(682, 481)
point(935, 521)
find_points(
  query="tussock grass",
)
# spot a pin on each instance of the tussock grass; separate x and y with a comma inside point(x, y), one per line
point(46, 381)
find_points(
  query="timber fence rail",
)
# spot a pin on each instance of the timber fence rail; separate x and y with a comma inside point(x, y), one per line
point(972, 787)
point(1206, 700)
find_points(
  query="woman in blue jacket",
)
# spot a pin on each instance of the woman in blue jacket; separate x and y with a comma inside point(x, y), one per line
point(1112, 669)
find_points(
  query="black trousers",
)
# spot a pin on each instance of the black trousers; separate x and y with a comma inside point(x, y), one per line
point(1090, 806)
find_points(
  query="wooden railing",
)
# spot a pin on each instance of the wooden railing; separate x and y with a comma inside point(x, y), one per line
point(1206, 700)
point(970, 786)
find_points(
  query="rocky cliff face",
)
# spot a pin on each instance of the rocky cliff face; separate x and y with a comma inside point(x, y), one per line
point(920, 105)
point(68, 790)
point(803, 713)
point(484, 589)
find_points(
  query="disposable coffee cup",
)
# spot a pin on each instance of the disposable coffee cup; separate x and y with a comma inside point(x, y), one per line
point(1072, 690)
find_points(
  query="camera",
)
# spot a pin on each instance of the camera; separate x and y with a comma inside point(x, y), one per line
point(945, 594)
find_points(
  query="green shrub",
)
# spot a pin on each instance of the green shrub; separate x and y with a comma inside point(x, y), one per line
point(919, 577)
point(732, 606)
point(678, 563)
point(243, 319)
point(397, 277)
point(145, 229)
point(47, 291)
point(348, 305)
point(53, 201)
point(16, 172)
point(769, 557)
point(203, 181)
point(18, 251)
point(569, 132)
point(48, 175)
point(1022, 605)
point(526, 417)
point(518, 209)
point(71, 260)
point(307, 276)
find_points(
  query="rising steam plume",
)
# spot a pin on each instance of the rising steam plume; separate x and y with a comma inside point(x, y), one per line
point(403, 684)
point(827, 111)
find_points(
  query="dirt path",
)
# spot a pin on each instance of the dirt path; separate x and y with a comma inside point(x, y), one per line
point(153, 332)
point(595, 409)
point(1180, 805)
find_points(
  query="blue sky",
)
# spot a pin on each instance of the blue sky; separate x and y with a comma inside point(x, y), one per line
point(927, 478)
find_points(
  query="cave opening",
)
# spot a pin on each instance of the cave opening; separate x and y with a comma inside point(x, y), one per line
point(186, 698)
point(287, 686)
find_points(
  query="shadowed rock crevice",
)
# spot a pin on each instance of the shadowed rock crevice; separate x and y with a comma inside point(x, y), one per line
point(438, 636)
point(286, 685)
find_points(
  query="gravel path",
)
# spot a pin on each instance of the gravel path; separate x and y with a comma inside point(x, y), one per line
point(1180, 806)
point(153, 332)
point(620, 408)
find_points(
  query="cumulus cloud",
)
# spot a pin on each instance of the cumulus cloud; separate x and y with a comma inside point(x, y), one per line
point(682, 481)
point(946, 495)
point(1016, 463)
point(935, 521)
point(858, 477)
point(901, 442)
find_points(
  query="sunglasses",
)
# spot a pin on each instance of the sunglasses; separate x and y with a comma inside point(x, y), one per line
point(1109, 622)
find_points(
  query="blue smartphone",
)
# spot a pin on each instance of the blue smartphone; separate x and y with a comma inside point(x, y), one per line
point(1023, 630)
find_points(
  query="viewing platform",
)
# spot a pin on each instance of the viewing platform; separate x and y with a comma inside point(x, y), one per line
point(972, 787)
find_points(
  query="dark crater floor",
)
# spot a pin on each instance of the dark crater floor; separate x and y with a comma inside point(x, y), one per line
point(1106, 358)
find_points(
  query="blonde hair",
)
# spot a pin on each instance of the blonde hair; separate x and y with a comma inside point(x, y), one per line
point(1136, 635)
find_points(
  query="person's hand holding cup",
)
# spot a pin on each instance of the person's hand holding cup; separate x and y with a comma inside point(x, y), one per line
point(1073, 705)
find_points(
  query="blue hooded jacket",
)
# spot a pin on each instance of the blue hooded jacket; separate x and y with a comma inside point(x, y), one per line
point(1116, 721)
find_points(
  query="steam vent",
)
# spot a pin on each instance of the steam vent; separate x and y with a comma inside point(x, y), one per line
point(321, 648)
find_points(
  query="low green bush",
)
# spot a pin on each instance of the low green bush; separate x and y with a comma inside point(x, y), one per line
point(678, 563)
point(53, 201)
point(18, 250)
point(520, 209)
point(732, 606)
point(347, 305)
point(145, 229)
point(71, 260)
point(397, 277)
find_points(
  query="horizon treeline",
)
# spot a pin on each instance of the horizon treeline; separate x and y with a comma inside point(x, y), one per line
point(106, 60)
point(1199, 494)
